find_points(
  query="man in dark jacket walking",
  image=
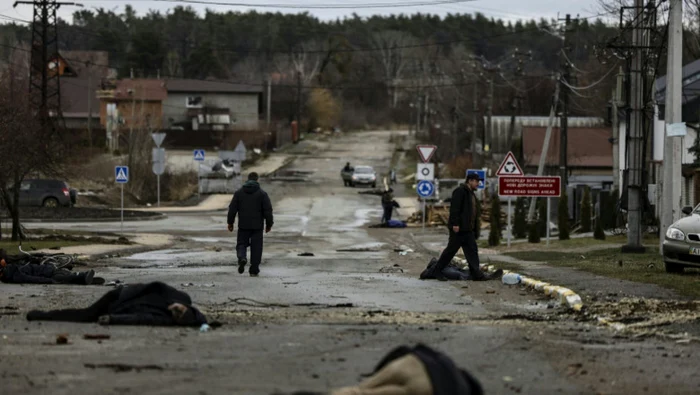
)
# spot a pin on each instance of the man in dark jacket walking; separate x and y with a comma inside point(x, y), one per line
point(462, 226)
point(254, 210)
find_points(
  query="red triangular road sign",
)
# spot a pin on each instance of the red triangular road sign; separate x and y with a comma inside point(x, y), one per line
point(426, 152)
point(510, 167)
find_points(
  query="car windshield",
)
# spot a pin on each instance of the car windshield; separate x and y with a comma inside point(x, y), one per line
point(363, 170)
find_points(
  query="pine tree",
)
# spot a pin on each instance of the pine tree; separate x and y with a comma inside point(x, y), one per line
point(542, 216)
point(586, 211)
point(563, 216)
point(495, 232)
point(533, 235)
point(520, 223)
point(599, 233)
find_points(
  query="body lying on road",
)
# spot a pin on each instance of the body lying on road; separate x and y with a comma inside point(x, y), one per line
point(18, 270)
point(153, 303)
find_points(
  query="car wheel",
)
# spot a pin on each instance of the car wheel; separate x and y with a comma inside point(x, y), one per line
point(673, 267)
point(352, 184)
point(50, 202)
point(374, 185)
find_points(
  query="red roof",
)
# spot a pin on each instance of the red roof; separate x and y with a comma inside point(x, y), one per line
point(142, 89)
point(586, 147)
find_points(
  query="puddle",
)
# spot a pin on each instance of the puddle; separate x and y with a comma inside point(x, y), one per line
point(206, 239)
point(164, 255)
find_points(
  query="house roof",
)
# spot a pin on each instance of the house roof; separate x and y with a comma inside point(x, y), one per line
point(143, 89)
point(79, 61)
point(586, 147)
point(210, 86)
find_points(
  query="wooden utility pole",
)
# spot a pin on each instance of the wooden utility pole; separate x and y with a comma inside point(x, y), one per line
point(299, 102)
point(672, 159)
point(636, 135)
point(545, 146)
point(489, 116)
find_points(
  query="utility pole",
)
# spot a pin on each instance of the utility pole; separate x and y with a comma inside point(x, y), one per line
point(615, 138)
point(673, 144)
point(89, 98)
point(269, 103)
point(636, 135)
point(299, 101)
point(564, 129)
point(418, 114)
point(44, 74)
point(489, 115)
point(426, 113)
point(545, 146)
point(475, 123)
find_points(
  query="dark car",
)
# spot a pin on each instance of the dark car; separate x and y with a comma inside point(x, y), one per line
point(46, 193)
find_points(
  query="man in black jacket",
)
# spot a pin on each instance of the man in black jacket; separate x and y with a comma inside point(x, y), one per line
point(462, 224)
point(254, 211)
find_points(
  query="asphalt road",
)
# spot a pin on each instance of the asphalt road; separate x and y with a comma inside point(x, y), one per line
point(512, 340)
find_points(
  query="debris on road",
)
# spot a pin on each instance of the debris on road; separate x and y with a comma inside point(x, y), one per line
point(122, 367)
point(391, 269)
point(98, 336)
point(62, 339)
point(306, 254)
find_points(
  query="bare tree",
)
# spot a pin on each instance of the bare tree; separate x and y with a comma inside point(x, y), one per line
point(30, 145)
point(393, 51)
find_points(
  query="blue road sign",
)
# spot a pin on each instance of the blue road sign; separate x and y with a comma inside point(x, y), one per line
point(482, 176)
point(425, 189)
point(199, 155)
point(121, 174)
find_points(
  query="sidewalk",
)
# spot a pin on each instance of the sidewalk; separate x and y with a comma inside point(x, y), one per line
point(142, 241)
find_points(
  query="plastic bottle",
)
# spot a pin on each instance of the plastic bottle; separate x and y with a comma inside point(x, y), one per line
point(204, 328)
point(511, 279)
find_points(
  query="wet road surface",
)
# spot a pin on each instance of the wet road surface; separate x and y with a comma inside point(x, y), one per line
point(318, 322)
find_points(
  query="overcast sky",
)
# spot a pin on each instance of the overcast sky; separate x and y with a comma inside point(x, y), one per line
point(504, 9)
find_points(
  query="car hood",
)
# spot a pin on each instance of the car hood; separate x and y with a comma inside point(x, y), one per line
point(690, 224)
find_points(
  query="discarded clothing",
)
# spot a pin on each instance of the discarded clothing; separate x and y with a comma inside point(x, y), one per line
point(153, 303)
point(451, 272)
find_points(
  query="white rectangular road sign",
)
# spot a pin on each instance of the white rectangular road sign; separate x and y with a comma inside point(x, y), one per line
point(425, 172)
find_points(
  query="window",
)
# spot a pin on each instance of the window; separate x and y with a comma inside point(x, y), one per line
point(194, 102)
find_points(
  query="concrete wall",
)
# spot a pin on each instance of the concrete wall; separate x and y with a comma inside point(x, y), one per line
point(243, 108)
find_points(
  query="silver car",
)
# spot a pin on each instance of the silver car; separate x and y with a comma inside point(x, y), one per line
point(682, 243)
point(363, 175)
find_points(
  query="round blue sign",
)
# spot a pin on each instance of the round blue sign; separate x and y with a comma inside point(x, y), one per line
point(425, 188)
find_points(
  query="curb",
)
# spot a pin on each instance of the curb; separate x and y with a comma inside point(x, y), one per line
point(81, 220)
point(565, 296)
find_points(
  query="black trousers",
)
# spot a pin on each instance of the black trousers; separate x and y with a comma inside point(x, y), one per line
point(467, 242)
point(388, 211)
point(254, 240)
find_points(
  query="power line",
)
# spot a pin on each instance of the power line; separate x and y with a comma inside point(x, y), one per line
point(309, 6)
point(583, 88)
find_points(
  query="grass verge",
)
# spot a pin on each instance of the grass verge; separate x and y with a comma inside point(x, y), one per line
point(555, 243)
point(643, 268)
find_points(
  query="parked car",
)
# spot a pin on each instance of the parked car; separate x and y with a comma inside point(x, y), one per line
point(681, 246)
point(46, 193)
point(363, 175)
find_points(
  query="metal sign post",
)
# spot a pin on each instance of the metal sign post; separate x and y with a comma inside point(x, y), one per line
point(425, 189)
point(548, 210)
point(509, 228)
point(121, 176)
point(423, 215)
